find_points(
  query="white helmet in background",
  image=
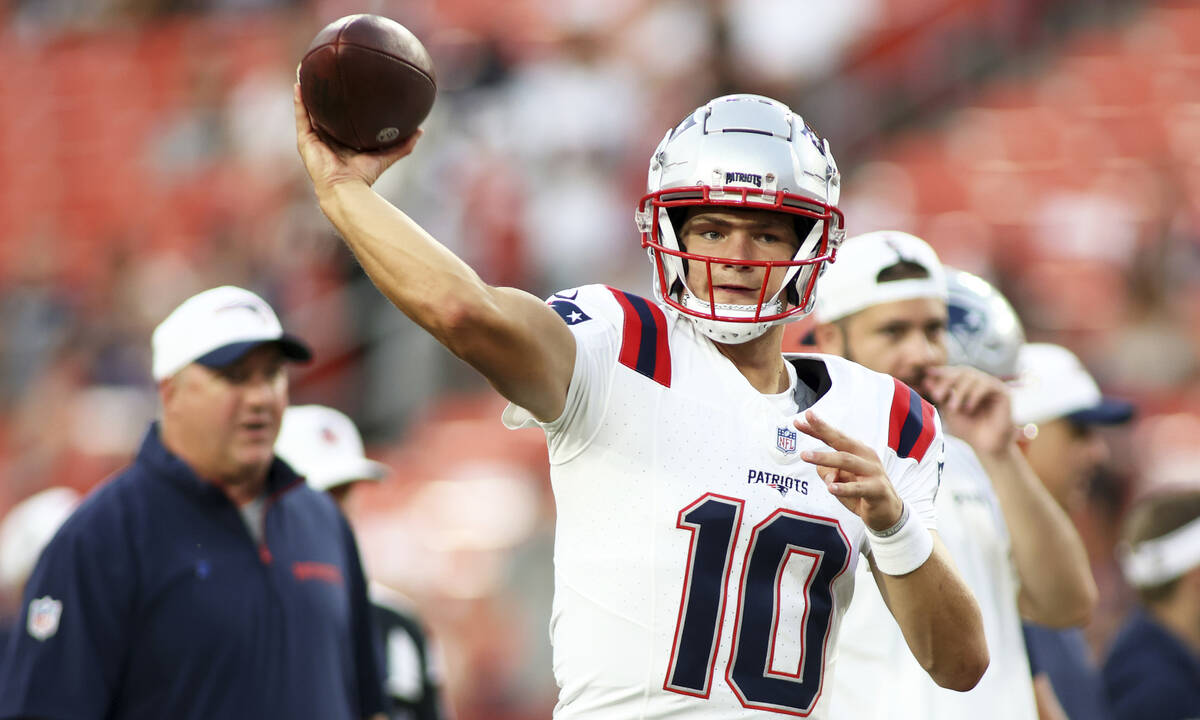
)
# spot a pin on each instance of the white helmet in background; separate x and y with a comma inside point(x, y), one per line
point(984, 330)
point(741, 151)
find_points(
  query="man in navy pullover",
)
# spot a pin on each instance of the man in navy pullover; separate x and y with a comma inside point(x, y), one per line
point(206, 580)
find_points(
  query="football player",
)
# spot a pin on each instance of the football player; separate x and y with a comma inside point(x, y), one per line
point(713, 498)
point(885, 305)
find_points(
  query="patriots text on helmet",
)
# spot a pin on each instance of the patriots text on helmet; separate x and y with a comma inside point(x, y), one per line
point(742, 177)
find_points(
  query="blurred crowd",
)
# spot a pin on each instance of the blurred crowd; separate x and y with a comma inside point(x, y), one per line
point(147, 152)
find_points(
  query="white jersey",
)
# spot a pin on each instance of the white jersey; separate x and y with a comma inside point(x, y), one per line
point(878, 678)
point(702, 568)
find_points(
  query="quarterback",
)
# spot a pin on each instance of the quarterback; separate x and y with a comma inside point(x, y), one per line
point(714, 497)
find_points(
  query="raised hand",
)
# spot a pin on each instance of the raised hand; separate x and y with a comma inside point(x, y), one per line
point(852, 472)
point(974, 406)
point(328, 166)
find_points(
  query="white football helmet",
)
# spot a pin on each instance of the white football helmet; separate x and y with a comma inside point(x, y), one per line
point(984, 330)
point(743, 151)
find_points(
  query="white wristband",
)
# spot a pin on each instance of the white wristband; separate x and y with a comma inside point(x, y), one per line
point(902, 548)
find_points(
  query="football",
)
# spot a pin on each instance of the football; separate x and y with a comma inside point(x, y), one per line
point(367, 82)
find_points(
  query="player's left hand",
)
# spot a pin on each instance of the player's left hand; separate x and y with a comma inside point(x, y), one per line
point(852, 472)
point(974, 406)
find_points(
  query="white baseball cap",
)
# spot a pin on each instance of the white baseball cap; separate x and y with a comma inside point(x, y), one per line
point(324, 446)
point(217, 327)
point(851, 282)
point(28, 528)
point(1052, 383)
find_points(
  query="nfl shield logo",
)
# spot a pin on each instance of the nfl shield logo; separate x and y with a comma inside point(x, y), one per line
point(44, 614)
point(785, 440)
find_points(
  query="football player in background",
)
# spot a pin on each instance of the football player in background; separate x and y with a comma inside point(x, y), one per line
point(324, 446)
point(712, 497)
point(884, 304)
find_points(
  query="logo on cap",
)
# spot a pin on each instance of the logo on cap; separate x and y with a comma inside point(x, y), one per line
point(243, 305)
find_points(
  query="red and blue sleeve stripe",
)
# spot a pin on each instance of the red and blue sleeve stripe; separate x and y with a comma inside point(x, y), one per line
point(910, 427)
point(644, 338)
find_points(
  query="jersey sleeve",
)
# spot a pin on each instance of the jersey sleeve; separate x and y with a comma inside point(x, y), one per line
point(594, 316)
point(67, 653)
point(917, 451)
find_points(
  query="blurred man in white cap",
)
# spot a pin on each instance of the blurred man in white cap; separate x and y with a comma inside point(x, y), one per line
point(324, 446)
point(884, 304)
point(1058, 408)
point(24, 532)
point(205, 580)
point(1153, 666)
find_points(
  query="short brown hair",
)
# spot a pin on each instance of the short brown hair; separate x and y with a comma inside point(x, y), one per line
point(903, 270)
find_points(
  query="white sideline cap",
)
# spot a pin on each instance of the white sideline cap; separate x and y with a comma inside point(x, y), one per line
point(28, 528)
point(217, 327)
point(851, 282)
point(1052, 383)
point(324, 446)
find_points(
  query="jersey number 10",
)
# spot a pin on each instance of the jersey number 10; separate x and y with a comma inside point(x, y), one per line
point(714, 522)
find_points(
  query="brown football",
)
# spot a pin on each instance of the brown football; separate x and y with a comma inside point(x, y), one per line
point(367, 82)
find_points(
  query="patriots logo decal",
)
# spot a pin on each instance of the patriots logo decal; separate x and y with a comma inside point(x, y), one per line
point(965, 319)
point(569, 311)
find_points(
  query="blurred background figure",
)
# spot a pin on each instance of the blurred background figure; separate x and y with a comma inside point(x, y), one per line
point(982, 328)
point(24, 532)
point(324, 446)
point(1059, 409)
point(886, 304)
point(204, 579)
point(1153, 667)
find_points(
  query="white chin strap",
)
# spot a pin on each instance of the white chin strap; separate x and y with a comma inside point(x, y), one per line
point(722, 331)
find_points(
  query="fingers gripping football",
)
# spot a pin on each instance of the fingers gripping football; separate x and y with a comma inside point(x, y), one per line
point(329, 166)
point(852, 472)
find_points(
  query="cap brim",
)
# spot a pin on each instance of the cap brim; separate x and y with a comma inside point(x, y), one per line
point(343, 472)
point(1110, 411)
point(292, 347)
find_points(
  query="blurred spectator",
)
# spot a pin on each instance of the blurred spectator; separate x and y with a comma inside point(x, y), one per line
point(324, 446)
point(1058, 407)
point(1153, 667)
point(24, 532)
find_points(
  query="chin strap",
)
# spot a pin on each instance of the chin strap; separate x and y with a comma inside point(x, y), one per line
point(731, 333)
